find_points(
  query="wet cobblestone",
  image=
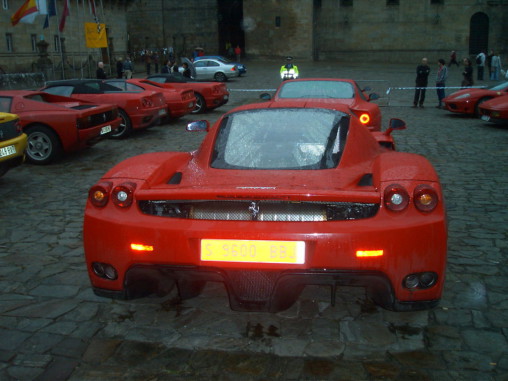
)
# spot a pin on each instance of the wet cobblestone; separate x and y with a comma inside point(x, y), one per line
point(54, 328)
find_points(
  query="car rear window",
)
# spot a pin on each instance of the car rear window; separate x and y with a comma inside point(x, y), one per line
point(281, 138)
point(5, 104)
point(317, 89)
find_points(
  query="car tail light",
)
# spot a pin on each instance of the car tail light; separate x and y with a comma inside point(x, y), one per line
point(141, 247)
point(233, 68)
point(123, 195)
point(146, 102)
point(99, 194)
point(365, 118)
point(83, 123)
point(369, 253)
point(396, 197)
point(425, 198)
point(17, 125)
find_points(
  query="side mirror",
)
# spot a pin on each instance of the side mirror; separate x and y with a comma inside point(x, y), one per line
point(395, 124)
point(265, 96)
point(373, 97)
point(200, 125)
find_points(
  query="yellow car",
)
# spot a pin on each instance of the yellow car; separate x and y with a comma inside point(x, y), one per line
point(12, 142)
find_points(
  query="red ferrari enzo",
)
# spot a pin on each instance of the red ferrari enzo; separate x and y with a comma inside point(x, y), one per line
point(495, 110)
point(137, 109)
point(468, 101)
point(56, 124)
point(209, 95)
point(335, 92)
point(180, 102)
point(276, 198)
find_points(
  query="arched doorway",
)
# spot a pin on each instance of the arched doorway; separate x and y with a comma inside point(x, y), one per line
point(478, 33)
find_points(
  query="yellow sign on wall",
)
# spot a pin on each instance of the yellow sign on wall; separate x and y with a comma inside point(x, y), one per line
point(95, 35)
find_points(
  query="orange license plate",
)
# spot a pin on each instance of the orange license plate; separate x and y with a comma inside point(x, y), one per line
point(253, 251)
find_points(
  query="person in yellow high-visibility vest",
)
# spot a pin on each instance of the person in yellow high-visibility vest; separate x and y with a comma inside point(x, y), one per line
point(289, 70)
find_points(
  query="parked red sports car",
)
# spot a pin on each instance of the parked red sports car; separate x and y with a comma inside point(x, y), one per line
point(468, 101)
point(180, 102)
point(209, 95)
point(332, 91)
point(276, 198)
point(137, 110)
point(495, 110)
point(56, 124)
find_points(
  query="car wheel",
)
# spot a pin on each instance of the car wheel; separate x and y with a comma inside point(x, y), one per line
point(477, 106)
point(125, 127)
point(43, 145)
point(200, 104)
point(220, 77)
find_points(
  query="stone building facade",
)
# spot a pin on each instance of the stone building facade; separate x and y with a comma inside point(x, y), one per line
point(344, 30)
point(67, 54)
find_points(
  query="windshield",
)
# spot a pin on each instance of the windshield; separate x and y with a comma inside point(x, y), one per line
point(317, 89)
point(500, 87)
point(285, 138)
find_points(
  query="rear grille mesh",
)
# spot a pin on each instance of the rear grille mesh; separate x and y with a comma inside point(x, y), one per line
point(259, 210)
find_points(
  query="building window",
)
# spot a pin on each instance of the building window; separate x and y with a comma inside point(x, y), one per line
point(392, 2)
point(56, 41)
point(33, 39)
point(8, 41)
point(277, 21)
point(346, 3)
point(5, 4)
point(437, 1)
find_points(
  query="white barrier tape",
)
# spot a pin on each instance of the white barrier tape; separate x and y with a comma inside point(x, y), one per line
point(432, 88)
point(252, 90)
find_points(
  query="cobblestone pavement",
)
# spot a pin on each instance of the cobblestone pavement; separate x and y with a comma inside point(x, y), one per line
point(52, 327)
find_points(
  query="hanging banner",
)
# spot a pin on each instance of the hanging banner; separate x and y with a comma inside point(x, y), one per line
point(95, 35)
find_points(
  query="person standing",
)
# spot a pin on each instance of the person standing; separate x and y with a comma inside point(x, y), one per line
point(453, 59)
point(422, 79)
point(128, 69)
point(496, 67)
point(119, 68)
point(166, 69)
point(100, 73)
point(467, 74)
point(186, 70)
point(489, 62)
point(481, 58)
point(442, 75)
point(238, 53)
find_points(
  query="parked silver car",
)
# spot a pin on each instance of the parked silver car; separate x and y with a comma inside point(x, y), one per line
point(214, 69)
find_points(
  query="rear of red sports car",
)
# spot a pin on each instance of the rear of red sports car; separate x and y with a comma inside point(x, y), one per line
point(275, 199)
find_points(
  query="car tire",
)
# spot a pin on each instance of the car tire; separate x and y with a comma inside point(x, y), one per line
point(477, 106)
point(125, 127)
point(220, 77)
point(200, 104)
point(43, 145)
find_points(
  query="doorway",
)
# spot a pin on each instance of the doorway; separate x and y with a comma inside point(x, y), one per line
point(479, 33)
point(231, 34)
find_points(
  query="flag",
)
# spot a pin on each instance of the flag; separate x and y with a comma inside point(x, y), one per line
point(65, 13)
point(95, 35)
point(26, 13)
point(50, 11)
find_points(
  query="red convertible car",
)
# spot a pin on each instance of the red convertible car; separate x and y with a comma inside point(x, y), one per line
point(209, 95)
point(468, 101)
point(56, 124)
point(332, 91)
point(495, 110)
point(137, 109)
point(180, 102)
point(276, 198)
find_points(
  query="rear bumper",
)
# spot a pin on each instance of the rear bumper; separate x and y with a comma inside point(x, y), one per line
point(19, 143)
point(216, 101)
point(251, 290)
point(148, 117)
